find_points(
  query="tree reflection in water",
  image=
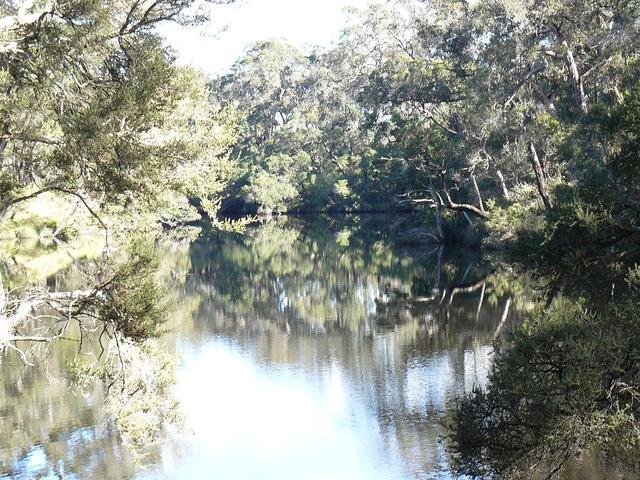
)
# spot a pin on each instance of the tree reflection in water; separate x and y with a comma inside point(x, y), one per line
point(565, 388)
point(335, 309)
point(410, 331)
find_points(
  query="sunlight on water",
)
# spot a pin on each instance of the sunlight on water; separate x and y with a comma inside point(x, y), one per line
point(279, 423)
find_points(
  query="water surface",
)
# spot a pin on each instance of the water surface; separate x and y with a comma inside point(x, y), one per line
point(319, 350)
point(326, 352)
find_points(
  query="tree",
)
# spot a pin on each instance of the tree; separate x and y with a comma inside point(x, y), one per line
point(299, 127)
point(93, 105)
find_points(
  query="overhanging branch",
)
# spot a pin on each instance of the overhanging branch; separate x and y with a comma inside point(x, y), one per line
point(15, 201)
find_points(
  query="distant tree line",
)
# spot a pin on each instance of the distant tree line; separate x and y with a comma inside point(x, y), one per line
point(521, 116)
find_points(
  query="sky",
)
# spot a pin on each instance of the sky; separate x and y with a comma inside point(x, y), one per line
point(214, 46)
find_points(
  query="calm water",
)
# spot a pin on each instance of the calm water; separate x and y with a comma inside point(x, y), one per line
point(304, 351)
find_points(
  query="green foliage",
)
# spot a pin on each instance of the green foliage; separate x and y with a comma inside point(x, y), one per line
point(95, 106)
point(566, 384)
point(275, 183)
point(133, 299)
point(452, 94)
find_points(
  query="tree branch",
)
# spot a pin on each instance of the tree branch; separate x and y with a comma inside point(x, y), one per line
point(531, 73)
point(460, 207)
point(17, 200)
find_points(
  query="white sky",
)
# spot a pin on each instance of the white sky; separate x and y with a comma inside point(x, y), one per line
point(215, 46)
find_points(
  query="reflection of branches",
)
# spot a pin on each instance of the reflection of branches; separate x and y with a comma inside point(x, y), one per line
point(467, 288)
point(503, 321)
point(127, 302)
point(16, 310)
point(121, 374)
point(34, 306)
point(4, 208)
point(481, 301)
point(23, 356)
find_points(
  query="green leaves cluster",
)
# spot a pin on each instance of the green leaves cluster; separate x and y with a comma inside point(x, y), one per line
point(94, 104)
point(566, 385)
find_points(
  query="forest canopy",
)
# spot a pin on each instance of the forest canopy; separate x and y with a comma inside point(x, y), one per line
point(94, 106)
point(518, 117)
point(511, 124)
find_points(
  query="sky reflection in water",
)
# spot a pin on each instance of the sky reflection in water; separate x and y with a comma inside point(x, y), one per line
point(253, 421)
point(301, 357)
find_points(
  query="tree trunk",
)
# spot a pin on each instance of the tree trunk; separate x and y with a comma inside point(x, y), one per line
point(3, 145)
point(503, 184)
point(544, 165)
point(576, 79)
point(537, 169)
point(439, 229)
point(436, 200)
point(475, 186)
point(439, 267)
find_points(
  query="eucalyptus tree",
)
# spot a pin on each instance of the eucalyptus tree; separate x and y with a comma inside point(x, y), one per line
point(299, 127)
point(554, 74)
point(507, 92)
point(266, 87)
point(498, 110)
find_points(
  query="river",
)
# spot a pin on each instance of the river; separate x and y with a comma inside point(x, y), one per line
point(303, 350)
